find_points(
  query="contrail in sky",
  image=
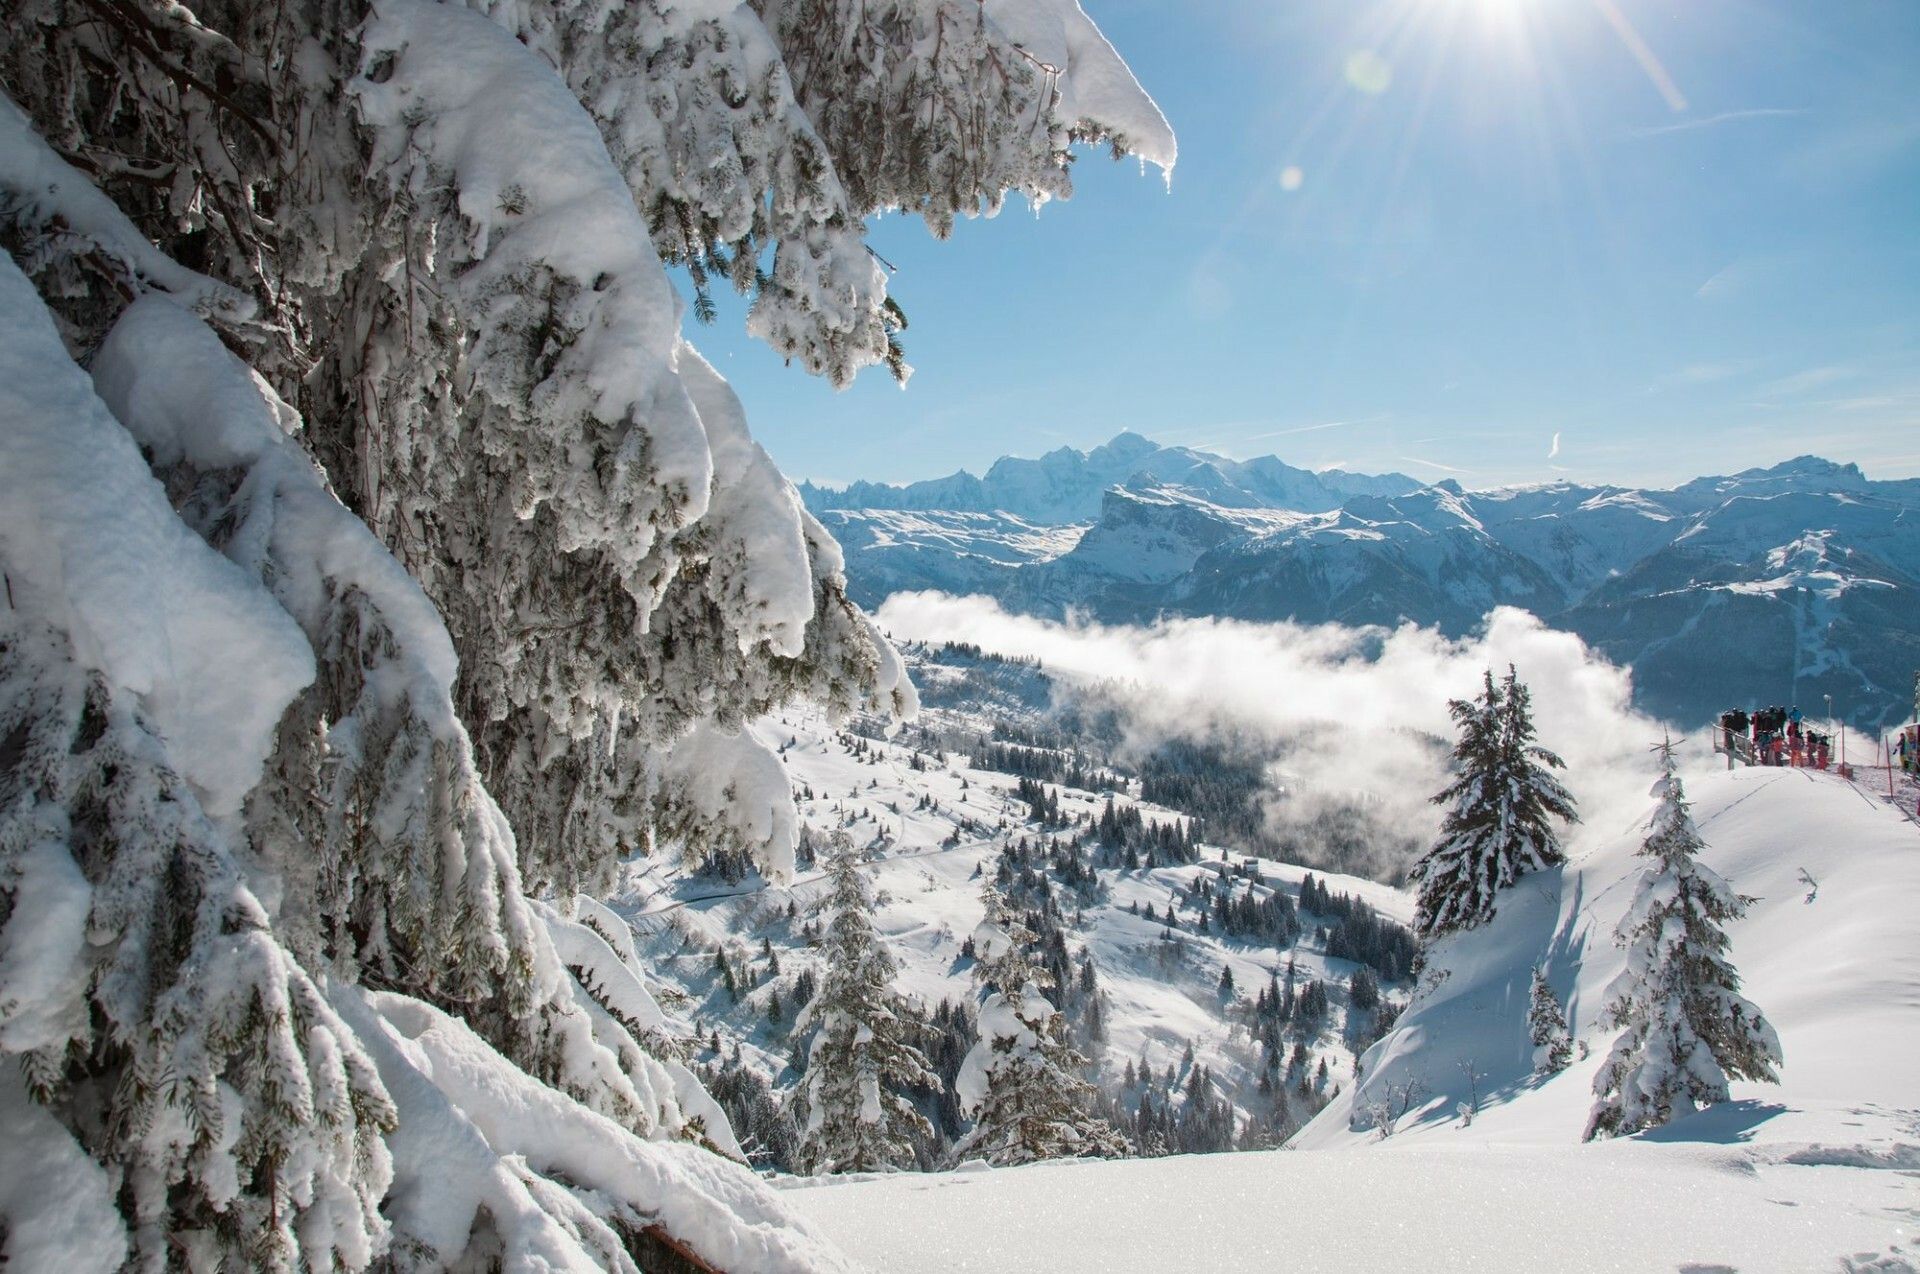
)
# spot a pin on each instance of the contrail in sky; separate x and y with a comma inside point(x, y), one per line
point(1433, 464)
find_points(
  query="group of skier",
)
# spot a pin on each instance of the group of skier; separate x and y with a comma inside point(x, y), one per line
point(1774, 736)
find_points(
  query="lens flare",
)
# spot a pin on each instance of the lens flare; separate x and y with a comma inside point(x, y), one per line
point(1368, 72)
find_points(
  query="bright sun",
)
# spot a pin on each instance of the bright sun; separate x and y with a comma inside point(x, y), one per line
point(1497, 12)
point(1515, 17)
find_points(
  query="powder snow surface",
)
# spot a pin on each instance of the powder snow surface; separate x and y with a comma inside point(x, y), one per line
point(1818, 1173)
point(1429, 1208)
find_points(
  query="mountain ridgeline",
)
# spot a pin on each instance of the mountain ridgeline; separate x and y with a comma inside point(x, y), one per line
point(1782, 584)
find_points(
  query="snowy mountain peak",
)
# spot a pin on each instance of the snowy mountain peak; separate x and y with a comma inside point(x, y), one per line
point(1812, 466)
point(1127, 443)
point(1800, 474)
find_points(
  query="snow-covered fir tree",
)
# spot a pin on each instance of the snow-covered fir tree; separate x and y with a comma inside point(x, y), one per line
point(1003, 944)
point(1685, 1028)
point(1547, 1027)
point(1022, 1083)
point(383, 565)
point(852, 1114)
point(1502, 801)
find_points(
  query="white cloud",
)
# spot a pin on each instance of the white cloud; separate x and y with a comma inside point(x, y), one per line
point(1732, 279)
point(1802, 381)
point(1362, 704)
point(1554, 450)
point(1700, 373)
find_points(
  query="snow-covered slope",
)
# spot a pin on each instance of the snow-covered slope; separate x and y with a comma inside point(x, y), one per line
point(1484, 1209)
point(1423, 557)
point(935, 822)
point(953, 551)
point(1794, 595)
point(1814, 1174)
point(1163, 993)
point(1150, 534)
point(1828, 951)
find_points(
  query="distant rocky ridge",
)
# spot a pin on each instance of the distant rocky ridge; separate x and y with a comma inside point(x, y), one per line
point(1781, 584)
point(1066, 486)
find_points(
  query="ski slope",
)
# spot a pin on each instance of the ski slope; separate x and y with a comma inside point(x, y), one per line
point(1821, 1172)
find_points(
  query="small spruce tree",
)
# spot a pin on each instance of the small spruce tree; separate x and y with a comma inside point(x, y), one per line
point(1363, 989)
point(851, 1113)
point(1502, 798)
point(1547, 1026)
point(1687, 1028)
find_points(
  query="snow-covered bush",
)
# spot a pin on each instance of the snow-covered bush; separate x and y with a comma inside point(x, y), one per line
point(381, 565)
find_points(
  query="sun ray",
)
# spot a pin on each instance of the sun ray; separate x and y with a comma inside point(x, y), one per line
point(1643, 54)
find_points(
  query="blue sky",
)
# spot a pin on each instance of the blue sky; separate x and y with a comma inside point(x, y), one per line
point(1431, 235)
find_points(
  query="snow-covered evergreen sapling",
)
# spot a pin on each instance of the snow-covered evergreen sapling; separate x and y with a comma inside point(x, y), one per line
point(1502, 801)
point(1547, 1027)
point(1686, 1029)
point(1022, 1083)
point(852, 1114)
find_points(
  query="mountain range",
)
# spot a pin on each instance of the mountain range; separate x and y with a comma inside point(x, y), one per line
point(1067, 486)
point(1784, 584)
